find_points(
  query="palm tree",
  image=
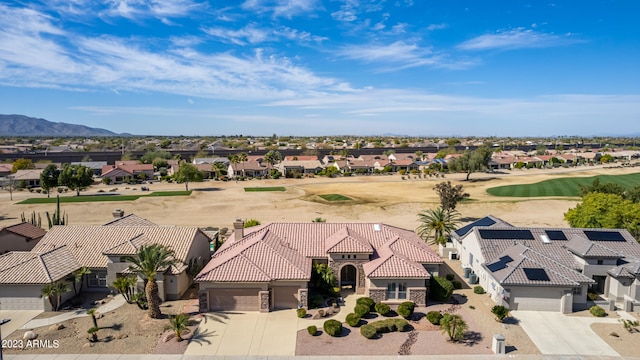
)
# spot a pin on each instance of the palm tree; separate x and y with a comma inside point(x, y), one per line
point(179, 323)
point(218, 168)
point(124, 285)
point(61, 287)
point(438, 221)
point(454, 326)
point(78, 275)
point(147, 262)
point(49, 291)
point(92, 313)
point(242, 157)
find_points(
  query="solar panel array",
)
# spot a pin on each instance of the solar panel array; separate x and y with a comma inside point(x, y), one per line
point(595, 235)
point(500, 264)
point(485, 221)
point(536, 274)
point(506, 234)
point(556, 235)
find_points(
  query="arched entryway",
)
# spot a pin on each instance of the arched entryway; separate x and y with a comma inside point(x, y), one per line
point(348, 277)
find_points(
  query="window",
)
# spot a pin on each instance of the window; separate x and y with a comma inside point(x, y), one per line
point(343, 256)
point(577, 290)
point(396, 291)
point(97, 279)
point(600, 262)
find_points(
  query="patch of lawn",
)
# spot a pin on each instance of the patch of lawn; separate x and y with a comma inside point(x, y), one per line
point(259, 189)
point(334, 197)
point(100, 198)
point(563, 186)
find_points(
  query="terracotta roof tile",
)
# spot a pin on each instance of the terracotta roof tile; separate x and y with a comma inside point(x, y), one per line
point(346, 241)
point(30, 267)
point(392, 265)
point(26, 230)
point(130, 220)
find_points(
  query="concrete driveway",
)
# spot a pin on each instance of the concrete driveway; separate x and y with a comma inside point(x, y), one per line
point(18, 319)
point(557, 334)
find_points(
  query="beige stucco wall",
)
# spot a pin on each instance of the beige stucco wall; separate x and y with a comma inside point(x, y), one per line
point(13, 242)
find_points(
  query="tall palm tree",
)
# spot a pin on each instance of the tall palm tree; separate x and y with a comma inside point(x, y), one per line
point(77, 276)
point(218, 168)
point(147, 262)
point(178, 323)
point(61, 288)
point(242, 157)
point(438, 221)
point(49, 291)
point(92, 313)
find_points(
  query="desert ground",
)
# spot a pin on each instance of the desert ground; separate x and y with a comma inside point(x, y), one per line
point(385, 198)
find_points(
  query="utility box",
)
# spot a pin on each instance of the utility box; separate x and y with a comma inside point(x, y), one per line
point(467, 272)
point(473, 279)
point(498, 346)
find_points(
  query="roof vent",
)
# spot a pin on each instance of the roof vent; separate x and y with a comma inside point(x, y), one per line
point(545, 239)
point(376, 227)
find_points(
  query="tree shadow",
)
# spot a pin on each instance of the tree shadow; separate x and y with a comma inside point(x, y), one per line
point(115, 327)
point(207, 189)
point(200, 337)
point(472, 338)
point(469, 219)
point(345, 331)
point(218, 316)
point(510, 320)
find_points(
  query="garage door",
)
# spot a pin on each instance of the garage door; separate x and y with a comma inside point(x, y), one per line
point(21, 303)
point(544, 300)
point(285, 297)
point(233, 299)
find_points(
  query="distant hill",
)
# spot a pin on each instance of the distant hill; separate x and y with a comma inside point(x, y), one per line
point(20, 125)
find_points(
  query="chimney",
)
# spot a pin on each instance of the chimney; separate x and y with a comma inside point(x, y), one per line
point(238, 229)
point(118, 213)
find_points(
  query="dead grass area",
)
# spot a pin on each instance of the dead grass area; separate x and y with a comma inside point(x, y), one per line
point(125, 330)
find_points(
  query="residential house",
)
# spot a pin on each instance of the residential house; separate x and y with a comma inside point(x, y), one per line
point(27, 178)
point(95, 166)
point(20, 237)
point(5, 169)
point(121, 171)
point(405, 162)
point(269, 267)
point(289, 167)
point(24, 273)
point(548, 269)
point(255, 166)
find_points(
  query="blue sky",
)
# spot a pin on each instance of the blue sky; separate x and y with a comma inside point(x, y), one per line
point(305, 67)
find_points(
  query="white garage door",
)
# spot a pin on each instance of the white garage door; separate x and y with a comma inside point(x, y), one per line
point(21, 303)
point(285, 297)
point(537, 299)
point(233, 299)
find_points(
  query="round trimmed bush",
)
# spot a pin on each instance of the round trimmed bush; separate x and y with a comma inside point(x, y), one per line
point(478, 290)
point(457, 284)
point(361, 310)
point(383, 309)
point(406, 309)
point(301, 313)
point(449, 277)
point(597, 311)
point(402, 325)
point(367, 301)
point(368, 331)
point(313, 330)
point(353, 319)
point(434, 317)
point(385, 326)
point(332, 327)
point(441, 288)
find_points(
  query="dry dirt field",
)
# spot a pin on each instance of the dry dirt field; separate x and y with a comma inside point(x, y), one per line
point(385, 198)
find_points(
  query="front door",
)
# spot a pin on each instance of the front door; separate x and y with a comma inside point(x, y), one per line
point(348, 277)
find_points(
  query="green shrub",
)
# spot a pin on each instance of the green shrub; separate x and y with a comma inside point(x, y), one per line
point(368, 331)
point(383, 309)
point(301, 313)
point(592, 296)
point(441, 288)
point(361, 310)
point(449, 277)
point(368, 302)
point(500, 312)
point(406, 309)
point(597, 311)
point(457, 284)
point(434, 317)
point(332, 327)
point(385, 326)
point(313, 330)
point(402, 325)
point(353, 319)
point(478, 289)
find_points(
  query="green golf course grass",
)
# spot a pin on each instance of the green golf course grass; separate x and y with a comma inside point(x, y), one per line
point(259, 189)
point(99, 198)
point(334, 197)
point(563, 186)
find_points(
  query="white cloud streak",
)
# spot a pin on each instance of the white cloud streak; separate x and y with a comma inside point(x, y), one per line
point(519, 38)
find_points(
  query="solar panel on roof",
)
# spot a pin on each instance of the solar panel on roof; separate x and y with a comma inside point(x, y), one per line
point(500, 264)
point(485, 221)
point(556, 235)
point(506, 234)
point(595, 235)
point(536, 274)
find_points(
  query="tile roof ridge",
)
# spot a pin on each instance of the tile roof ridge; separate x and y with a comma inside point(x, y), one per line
point(44, 266)
point(553, 261)
point(267, 242)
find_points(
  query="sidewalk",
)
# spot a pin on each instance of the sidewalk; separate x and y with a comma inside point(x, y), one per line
point(115, 303)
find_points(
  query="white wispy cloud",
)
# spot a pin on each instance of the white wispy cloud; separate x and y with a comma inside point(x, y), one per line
point(253, 34)
point(282, 8)
point(519, 38)
point(433, 27)
point(161, 9)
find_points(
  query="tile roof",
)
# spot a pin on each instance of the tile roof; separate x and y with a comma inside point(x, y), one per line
point(31, 267)
point(586, 248)
point(26, 230)
point(284, 251)
point(627, 269)
point(487, 221)
point(130, 220)
point(29, 174)
point(88, 242)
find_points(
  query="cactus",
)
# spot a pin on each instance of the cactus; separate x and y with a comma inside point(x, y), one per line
point(57, 218)
point(35, 220)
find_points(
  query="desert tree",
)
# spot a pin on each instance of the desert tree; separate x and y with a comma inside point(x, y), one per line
point(187, 173)
point(75, 177)
point(450, 195)
point(49, 178)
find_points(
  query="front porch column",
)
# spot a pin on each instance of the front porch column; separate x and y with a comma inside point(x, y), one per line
point(418, 296)
point(203, 304)
point(264, 301)
point(303, 298)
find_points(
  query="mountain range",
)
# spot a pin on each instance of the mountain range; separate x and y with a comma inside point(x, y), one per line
point(21, 125)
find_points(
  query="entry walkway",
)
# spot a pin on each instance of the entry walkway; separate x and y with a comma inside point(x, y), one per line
point(557, 334)
point(115, 303)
